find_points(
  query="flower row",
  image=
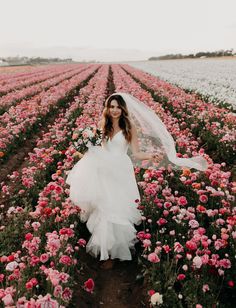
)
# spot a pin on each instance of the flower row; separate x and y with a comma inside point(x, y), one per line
point(12, 84)
point(46, 261)
point(27, 92)
point(20, 120)
point(189, 222)
point(214, 127)
point(214, 79)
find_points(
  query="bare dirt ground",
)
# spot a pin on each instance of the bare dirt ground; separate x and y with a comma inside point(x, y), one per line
point(118, 287)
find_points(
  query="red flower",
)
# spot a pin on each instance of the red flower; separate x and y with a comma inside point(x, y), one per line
point(29, 285)
point(161, 221)
point(231, 283)
point(191, 245)
point(43, 203)
point(10, 258)
point(201, 208)
point(89, 285)
point(181, 277)
point(47, 211)
point(28, 236)
point(141, 207)
point(166, 248)
point(151, 292)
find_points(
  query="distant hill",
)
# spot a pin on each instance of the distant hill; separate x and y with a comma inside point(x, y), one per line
point(201, 54)
point(31, 60)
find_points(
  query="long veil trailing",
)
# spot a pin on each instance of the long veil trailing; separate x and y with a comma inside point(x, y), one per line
point(154, 137)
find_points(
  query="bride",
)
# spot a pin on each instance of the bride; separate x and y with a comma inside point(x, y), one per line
point(103, 183)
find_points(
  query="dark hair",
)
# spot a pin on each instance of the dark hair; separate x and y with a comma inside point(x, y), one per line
point(124, 121)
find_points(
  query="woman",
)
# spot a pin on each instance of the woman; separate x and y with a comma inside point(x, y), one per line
point(103, 184)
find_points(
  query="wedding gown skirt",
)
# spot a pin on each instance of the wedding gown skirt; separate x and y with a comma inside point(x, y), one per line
point(103, 185)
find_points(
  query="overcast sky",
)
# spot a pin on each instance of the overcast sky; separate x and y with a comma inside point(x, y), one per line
point(129, 29)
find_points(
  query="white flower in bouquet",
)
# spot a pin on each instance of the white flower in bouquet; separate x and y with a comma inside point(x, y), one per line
point(86, 138)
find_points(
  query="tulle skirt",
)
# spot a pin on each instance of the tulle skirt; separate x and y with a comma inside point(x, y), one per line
point(103, 185)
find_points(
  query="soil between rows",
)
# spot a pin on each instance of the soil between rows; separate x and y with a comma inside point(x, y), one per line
point(118, 287)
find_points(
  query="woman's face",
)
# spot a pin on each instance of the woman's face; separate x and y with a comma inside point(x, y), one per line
point(115, 110)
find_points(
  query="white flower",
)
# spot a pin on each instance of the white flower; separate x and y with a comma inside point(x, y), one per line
point(11, 266)
point(197, 262)
point(193, 223)
point(11, 210)
point(156, 299)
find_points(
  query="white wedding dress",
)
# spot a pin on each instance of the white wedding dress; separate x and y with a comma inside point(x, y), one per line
point(103, 185)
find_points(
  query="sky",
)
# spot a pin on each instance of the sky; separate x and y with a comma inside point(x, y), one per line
point(113, 30)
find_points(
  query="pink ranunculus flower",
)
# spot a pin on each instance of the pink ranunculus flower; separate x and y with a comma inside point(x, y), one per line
point(67, 294)
point(178, 247)
point(65, 260)
point(46, 301)
point(147, 243)
point(57, 291)
point(153, 258)
point(205, 288)
point(44, 258)
point(191, 245)
point(81, 242)
point(8, 300)
point(205, 259)
point(36, 225)
point(182, 201)
point(166, 248)
point(203, 198)
point(161, 221)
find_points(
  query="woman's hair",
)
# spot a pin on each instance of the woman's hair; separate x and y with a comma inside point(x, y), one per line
point(124, 120)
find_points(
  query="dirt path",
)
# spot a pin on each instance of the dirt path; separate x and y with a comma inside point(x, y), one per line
point(116, 287)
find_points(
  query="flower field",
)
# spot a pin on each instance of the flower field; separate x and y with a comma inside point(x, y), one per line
point(187, 240)
point(214, 79)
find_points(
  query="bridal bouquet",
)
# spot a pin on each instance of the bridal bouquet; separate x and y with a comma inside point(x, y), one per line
point(86, 137)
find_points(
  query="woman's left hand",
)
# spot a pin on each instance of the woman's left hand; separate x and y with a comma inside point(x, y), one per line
point(157, 157)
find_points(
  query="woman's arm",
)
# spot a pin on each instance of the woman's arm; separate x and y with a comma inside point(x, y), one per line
point(99, 124)
point(136, 151)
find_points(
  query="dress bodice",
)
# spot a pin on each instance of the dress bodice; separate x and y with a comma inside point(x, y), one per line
point(118, 144)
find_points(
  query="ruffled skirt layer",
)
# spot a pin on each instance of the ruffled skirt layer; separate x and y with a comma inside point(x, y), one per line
point(103, 185)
